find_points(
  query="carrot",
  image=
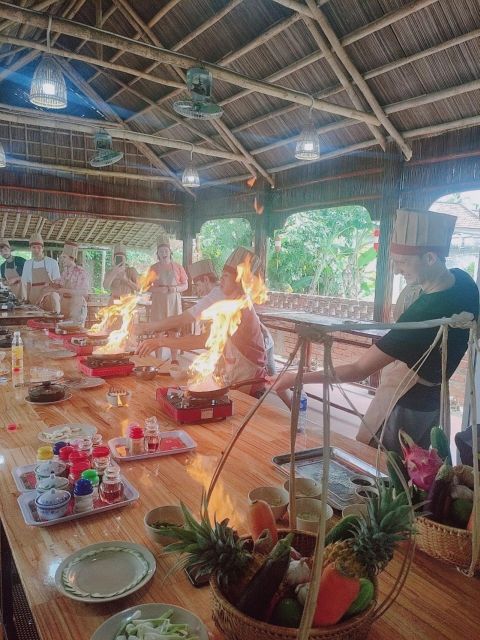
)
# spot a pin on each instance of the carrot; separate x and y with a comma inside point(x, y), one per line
point(335, 595)
point(470, 522)
point(260, 517)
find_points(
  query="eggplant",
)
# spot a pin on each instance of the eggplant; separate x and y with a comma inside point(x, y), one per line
point(438, 501)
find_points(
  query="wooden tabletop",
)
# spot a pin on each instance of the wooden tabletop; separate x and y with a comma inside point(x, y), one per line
point(21, 315)
point(437, 601)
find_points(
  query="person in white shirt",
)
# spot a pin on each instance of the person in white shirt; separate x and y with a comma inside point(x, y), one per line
point(39, 273)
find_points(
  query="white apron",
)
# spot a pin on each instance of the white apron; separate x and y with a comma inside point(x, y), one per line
point(165, 305)
point(73, 307)
point(12, 274)
point(49, 301)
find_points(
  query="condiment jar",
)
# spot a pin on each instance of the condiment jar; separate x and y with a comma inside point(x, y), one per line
point(44, 453)
point(97, 439)
point(152, 439)
point(44, 469)
point(111, 489)
point(53, 482)
point(76, 471)
point(85, 446)
point(135, 440)
point(100, 458)
point(52, 504)
point(64, 454)
point(83, 496)
point(56, 449)
point(92, 475)
point(78, 456)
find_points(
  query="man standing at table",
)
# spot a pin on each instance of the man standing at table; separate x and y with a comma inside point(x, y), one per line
point(39, 273)
point(121, 279)
point(420, 244)
point(11, 270)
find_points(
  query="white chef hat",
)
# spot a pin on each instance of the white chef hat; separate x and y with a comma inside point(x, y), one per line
point(418, 232)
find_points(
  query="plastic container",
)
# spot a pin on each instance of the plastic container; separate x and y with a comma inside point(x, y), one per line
point(56, 449)
point(92, 475)
point(83, 496)
point(100, 459)
point(135, 440)
point(44, 454)
point(76, 470)
point(152, 439)
point(302, 413)
point(85, 446)
point(64, 454)
point(111, 488)
point(17, 359)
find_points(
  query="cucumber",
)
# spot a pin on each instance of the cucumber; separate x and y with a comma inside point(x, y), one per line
point(439, 441)
point(342, 530)
point(364, 598)
point(393, 474)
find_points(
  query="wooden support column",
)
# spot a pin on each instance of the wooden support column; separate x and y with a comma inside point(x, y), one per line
point(388, 206)
point(261, 227)
point(188, 236)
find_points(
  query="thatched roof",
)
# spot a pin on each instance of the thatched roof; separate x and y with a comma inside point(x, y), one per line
point(415, 67)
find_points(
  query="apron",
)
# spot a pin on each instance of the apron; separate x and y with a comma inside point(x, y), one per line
point(73, 307)
point(12, 274)
point(165, 305)
point(35, 289)
point(120, 288)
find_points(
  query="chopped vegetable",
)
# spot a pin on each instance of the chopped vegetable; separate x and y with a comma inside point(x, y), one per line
point(336, 593)
point(161, 628)
point(159, 524)
point(260, 517)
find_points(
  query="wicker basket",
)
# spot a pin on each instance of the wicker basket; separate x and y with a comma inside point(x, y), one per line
point(452, 545)
point(235, 625)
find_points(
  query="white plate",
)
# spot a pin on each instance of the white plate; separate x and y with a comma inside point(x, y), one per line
point(67, 431)
point(44, 374)
point(105, 571)
point(84, 383)
point(44, 404)
point(110, 628)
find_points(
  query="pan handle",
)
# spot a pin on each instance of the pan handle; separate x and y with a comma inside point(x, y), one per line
point(242, 383)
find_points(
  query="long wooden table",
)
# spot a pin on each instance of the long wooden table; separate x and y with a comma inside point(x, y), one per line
point(437, 601)
point(21, 315)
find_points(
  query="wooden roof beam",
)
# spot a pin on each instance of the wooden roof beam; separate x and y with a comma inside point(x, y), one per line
point(82, 31)
point(40, 6)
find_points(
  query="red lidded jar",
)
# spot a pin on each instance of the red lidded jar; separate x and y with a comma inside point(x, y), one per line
point(100, 458)
point(135, 440)
point(76, 470)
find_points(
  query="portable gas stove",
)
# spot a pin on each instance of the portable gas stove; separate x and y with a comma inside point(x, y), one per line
point(106, 367)
point(187, 410)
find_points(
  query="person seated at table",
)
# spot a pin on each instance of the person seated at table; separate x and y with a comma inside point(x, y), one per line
point(121, 279)
point(244, 357)
point(11, 270)
point(38, 275)
point(73, 286)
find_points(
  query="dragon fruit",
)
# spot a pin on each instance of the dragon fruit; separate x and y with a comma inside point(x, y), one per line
point(422, 464)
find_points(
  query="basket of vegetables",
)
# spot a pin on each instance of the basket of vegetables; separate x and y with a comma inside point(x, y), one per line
point(445, 494)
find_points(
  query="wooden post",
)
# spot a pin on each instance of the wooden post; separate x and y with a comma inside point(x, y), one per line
point(389, 204)
point(187, 236)
point(261, 228)
point(103, 267)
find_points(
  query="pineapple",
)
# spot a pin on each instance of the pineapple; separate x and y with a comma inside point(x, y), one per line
point(367, 553)
point(211, 549)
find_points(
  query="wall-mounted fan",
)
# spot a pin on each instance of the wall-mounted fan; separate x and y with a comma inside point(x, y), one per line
point(105, 155)
point(201, 105)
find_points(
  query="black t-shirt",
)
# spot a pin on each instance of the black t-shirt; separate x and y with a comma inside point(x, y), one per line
point(409, 346)
point(17, 261)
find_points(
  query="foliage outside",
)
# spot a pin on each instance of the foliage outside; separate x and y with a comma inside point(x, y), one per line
point(218, 238)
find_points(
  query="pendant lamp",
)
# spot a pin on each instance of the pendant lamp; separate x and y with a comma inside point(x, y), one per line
point(48, 88)
point(308, 144)
point(3, 159)
point(190, 177)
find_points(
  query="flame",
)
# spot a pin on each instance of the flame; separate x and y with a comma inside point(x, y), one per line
point(123, 310)
point(225, 317)
point(251, 181)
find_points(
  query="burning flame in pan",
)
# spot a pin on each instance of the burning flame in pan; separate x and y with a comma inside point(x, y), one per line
point(122, 310)
point(225, 317)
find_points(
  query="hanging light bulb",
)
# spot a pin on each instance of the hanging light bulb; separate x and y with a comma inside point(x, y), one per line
point(48, 88)
point(308, 145)
point(190, 177)
point(3, 158)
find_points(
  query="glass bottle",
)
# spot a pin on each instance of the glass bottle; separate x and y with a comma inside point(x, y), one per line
point(97, 439)
point(83, 496)
point(135, 440)
point(100, 459)
point(85, 446)
point(92, 475)
point(56, 449)
point(76, 470)
point(111, 489)
point(17, 359)
point(152, 438)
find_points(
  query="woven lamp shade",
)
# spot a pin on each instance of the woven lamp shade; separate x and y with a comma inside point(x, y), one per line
point(190, 177)
point(48, 88)
point(308, 144)
point(3, 159)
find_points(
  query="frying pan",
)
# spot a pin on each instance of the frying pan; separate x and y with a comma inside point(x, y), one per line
point(112, 356)
point(221, 391)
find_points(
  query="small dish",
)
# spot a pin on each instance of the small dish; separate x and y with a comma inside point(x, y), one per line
point(52, 504)
point(309, 511)
point(359, 509)
point(276, 497)
point(45, 469)
point(118, 397)
point(360, 481)
point(168, 514)
point(366, 493)
point(53, 482)
point(145, 372)
point(305, 488)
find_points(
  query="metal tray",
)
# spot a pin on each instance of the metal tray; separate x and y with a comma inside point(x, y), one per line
point(26, 502)
point(174, 442)
point(343, 465)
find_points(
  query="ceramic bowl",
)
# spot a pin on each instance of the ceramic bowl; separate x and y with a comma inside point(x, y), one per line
point(305, 488)
point(44, 469)
point(145, 372)
point(168, 513)
point(52, 504)
point(359, 509)
point(360, 481)
point(276, 497)
point(309, 512)
point(365, 493)
point(53, 482)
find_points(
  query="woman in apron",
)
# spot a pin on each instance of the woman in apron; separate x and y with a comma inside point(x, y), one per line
point(169, 281)
point(121, 279)
point(11, 270)
point(74, 285)
point(39, 277)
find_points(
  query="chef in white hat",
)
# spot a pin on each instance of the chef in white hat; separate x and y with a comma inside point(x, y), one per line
point(203, 277)
point(11, 270)
point(169, 279)
point(245, 352)
point(39, 274)
point(74, 285)
point(121, 279)
point(420, 244)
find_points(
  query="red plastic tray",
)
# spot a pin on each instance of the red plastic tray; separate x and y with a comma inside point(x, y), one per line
point(40, 324)
point(106, 372)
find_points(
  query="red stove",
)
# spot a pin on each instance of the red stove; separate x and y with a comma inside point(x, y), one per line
point(106, 367)
point(188, 410)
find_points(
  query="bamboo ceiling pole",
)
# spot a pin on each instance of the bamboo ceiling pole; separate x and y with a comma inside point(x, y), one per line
point(77, 30)
point(40, 6)
point(331, 36)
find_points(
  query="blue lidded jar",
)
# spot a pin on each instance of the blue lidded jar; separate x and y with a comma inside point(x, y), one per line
point(83, 496)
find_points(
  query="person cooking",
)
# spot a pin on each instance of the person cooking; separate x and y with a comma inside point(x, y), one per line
point(245, 354)
point(11, 270)
point(121, 279)
point(73, 286)
point(203, 277)
point(169, 281)
point(420, 244)
point(38, 275)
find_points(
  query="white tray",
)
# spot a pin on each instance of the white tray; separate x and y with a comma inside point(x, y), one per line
point(118, 444)
point(19, 476)
point(26, 502)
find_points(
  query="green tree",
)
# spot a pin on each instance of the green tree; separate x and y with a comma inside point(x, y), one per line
point(218, 238)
